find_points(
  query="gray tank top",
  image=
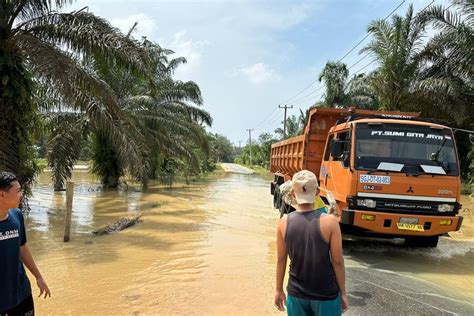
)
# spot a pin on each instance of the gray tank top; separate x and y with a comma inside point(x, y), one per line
point(311, 274)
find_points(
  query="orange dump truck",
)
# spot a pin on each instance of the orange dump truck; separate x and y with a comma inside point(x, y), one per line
point(391, 174)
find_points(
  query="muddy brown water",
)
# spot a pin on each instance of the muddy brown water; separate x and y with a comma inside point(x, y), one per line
point(206, 248)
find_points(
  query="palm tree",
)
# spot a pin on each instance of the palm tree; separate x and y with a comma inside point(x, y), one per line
point(43, 50)
point(447, 78)
point(159, 108)
point(292, 127)
point(361, 93)
point(335, 76)
point(395, 46)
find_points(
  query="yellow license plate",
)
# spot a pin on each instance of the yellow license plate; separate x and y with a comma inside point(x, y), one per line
point(413, 227)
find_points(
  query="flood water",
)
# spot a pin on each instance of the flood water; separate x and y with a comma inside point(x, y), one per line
point(206, 248)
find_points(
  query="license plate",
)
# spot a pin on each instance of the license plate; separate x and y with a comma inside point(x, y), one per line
point(412, 227)
point(365, 178)
point(408, 220)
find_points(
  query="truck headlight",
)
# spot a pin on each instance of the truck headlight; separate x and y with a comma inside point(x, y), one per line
point(445, 208)
point(366, 202)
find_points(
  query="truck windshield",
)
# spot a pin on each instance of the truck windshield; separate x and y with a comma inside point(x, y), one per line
point(410, 145)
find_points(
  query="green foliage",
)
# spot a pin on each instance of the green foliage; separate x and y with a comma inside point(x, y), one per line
point(221, 148)
point(335, 77)
point(18, 117)
point(104, 161)
point(293, 127)
point(260, 152)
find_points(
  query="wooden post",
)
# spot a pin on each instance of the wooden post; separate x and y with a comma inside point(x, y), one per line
point(69, 196)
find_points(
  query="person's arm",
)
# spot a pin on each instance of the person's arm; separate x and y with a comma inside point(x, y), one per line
point(29, 262)
point(280, 297)
point(337, 260)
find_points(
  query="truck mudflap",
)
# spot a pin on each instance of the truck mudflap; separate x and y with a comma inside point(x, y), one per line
point(401, 224)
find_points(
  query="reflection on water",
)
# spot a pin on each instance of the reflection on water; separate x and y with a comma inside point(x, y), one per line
point(205, 249)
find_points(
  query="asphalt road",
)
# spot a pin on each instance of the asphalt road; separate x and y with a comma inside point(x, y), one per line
point(377, 292)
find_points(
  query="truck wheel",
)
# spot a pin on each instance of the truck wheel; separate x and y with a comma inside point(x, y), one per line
point(423, 241)
point(276, 197)
point(285, 209)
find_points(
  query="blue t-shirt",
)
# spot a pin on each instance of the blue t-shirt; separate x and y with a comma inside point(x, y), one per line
point(14, 284)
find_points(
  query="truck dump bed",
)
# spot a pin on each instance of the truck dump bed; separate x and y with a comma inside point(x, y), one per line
point(306, 151)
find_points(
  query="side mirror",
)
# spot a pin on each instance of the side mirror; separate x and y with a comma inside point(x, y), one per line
point(338, 149)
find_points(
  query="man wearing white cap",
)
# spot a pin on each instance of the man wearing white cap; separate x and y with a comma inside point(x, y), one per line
point(312, 240)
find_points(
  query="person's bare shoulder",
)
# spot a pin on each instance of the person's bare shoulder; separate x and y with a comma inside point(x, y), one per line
point(329, 220)
point(282, 224)
point(283, 220)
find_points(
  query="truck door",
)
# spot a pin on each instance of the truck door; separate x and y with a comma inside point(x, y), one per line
point(338, 175)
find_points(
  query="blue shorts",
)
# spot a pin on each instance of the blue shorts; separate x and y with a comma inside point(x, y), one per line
point(298, 306)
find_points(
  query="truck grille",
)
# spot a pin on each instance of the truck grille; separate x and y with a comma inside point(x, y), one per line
point(403, 206)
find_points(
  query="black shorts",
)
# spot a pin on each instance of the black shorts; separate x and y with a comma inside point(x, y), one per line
point(25, 308)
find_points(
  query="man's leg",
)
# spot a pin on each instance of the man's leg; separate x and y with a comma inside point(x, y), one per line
point(297, 306)
point(25, 308)
point(327, 308)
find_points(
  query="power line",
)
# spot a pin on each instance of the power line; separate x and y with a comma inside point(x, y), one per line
point(302, 100)
point(360, 69)
point(275, 114)
point(361, 59)
point(266, 118)
point(352, 49)
point(271, 125)
point(307, 99)
point(366, 55)
point(306, 96)
point(368, 34)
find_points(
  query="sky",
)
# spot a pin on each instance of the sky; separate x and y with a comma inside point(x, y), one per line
point(249, 57)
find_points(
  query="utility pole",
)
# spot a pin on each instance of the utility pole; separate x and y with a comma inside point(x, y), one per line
point(250, 142)
point(240, 144)
point(284, 120)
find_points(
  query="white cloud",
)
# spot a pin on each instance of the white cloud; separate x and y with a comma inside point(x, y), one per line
point(146, 26)
point(258, 73)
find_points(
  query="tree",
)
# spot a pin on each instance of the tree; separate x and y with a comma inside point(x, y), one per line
point(395, 46)
point(361, 93)
point(431, 76)
point(447, 76)
point(41, 51)
point(292, 127)
point(221, 148)
point(335, 76)
point(159, 115)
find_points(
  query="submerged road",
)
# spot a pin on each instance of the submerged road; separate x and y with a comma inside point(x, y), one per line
point(209, 249)
point(235, 168)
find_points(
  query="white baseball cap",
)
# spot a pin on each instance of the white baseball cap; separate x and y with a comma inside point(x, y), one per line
point(305, 186)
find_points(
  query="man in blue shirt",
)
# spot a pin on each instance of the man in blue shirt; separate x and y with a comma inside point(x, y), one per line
point(15, 288)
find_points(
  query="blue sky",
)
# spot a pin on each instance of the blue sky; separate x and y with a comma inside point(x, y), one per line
point(250, 56)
